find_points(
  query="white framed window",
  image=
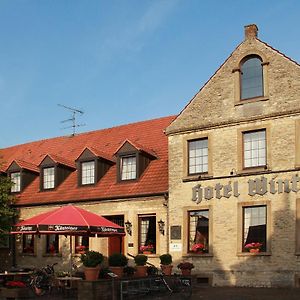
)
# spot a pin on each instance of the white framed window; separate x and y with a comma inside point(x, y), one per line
point(48, 178)
point(88, 172)
point(255, 150)
point(255, 228)
point(16, 180)
point(128, 167)
point(198, 156)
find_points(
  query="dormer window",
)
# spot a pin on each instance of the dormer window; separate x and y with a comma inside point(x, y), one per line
point(54, 170)
point(48, 178)
point(128, 167)
point(88, 172)
point(21, 173)
point(92, 165)
point(16, 180)
point(133, 160)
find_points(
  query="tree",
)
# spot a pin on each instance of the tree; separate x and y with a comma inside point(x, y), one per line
point(7, 211)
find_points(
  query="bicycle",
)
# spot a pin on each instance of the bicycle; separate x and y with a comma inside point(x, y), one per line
point(175, 284)
point(42, 280)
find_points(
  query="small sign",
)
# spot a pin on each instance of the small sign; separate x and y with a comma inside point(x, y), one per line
point(130, 245)
point(112, 275)
point(176, 232)
point(176, 247)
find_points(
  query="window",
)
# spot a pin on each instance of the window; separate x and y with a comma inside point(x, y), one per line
point(88, 172)
point(81, 244)
point(198, 234)
point(52, 243)
point(251, 78)
point(198, 156)
point(128, 167)
point(254, 227)
point(16, 179)
point(28, 243)
point(254, 149)
point(48, 178)
point(147, 234)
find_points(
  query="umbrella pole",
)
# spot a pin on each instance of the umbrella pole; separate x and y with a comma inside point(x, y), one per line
point(71, 262)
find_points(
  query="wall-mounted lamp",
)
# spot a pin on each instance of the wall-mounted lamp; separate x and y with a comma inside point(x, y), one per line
point(233, 172)
point(128, 227)
point(161, 226)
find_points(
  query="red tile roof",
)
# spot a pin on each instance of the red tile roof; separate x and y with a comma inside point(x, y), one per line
point(149, 134)
point(138, 147)
point(26, 165)
point(99, 153)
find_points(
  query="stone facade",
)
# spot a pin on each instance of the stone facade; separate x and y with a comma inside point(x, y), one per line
point(218, 114)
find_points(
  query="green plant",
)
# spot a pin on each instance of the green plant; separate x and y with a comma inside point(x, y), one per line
point(165, 259)
point(117, 260)
point(152, 270)
point(91, 259)
point(186, 266)
point(140, 259)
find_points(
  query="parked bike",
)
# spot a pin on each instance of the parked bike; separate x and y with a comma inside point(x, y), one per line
point(42, 280)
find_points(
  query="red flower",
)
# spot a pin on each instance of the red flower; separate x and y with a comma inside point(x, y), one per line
point(254, 245)
point(198, 247)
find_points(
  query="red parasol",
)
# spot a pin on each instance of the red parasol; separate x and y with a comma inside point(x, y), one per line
point(68, 220)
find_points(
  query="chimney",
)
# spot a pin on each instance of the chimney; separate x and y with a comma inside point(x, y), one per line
point(250, 31)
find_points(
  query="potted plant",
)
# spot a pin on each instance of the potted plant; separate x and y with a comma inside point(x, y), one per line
point(117, 262)
point(186, 267)
point(199, 248)
point(141, 268)
point(166, 263)
point(253, 247)
point(91, 261)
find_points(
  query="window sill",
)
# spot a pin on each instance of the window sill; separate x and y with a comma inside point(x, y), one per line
point(247, 254)
point(251, 100)
point(254, 170)
point(187, 255)
point(196, 177)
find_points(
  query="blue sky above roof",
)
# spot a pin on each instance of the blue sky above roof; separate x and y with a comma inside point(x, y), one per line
point(120, 61)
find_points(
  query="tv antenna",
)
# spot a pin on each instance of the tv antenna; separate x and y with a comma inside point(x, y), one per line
point(72, 119)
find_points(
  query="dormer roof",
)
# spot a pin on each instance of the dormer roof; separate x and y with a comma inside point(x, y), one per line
point(25, 165)
point(59, 160)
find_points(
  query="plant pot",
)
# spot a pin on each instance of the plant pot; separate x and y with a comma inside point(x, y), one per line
point(166, 269)
point(141, 271)
point(117, 270)
point(147, 252)
point(91, 274)
point(254, 250)
point(186, 272)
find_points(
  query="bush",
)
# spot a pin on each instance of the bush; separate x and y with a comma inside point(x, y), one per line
point(140, 259)
point(165, 259)
point(91, 259)
point(186, 266)
point(117, 260)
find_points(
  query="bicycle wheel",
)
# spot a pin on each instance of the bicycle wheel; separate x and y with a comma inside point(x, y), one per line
point(184, 288)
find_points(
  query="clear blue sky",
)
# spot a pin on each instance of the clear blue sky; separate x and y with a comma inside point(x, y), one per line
point(120, 61)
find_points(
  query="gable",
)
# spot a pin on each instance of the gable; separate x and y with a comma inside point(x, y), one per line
point(215, 103)
point(47, 161)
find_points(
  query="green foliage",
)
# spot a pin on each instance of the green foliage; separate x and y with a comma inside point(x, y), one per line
point(117, 260)
point(129, 271)
point(165, 259)
point(140, 259)
point(91, 259)
point(7, 212)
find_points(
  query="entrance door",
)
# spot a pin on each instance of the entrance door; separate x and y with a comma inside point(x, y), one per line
point(116, 243)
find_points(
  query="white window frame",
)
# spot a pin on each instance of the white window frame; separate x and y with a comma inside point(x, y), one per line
point(128, 167)
point(255, 148)
point(198, 156)
point(88, 172)
point(16, 180)
point(48, 178)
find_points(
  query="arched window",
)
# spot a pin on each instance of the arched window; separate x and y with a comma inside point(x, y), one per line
point(252, 78)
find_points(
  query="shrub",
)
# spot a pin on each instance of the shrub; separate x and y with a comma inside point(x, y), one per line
point(129, 271)
point(117, 260)
point(140, 259)
point(186, 266)
point(91, 259)
point(165, 259)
